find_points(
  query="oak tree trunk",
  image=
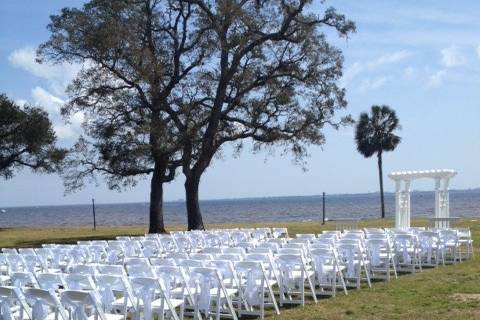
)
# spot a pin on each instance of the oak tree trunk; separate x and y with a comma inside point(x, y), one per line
point(380, 175)
point(194, 215)
point(156, 224)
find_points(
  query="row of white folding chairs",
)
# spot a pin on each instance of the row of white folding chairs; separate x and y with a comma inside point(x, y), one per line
point(252, 296)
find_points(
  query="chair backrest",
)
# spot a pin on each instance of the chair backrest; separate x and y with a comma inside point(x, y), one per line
point(279, 232)
point(15, 262)
point(270, 245)
point(51, 281)
point(212, 250)
point(9, 298)
point(449, 236)
point(83, 269)
point(130, 261)
point(24, 251)
point(111, 269)
point(23, 279)
point(251, 275)
point(107, 283)
point(171, 279)
point(31, 261)
point(139, 270)
point(38, 299)
point(162, 262)
point(229, 256)
point(323, 259)
point(9, 250)
point(178, 255)
point(375, 249)
point(307, 236)
point(290, 251)
point(201, 256)
point(235, 250)
point(78, 302)
point(77, 281)
point(260, 250)
point(206, 279)
point(226, 270)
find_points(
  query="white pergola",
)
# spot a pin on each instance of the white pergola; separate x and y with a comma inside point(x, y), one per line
point(402, 196)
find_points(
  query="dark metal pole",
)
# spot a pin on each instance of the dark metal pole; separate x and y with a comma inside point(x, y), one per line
point(94, 218)
point(323, 209)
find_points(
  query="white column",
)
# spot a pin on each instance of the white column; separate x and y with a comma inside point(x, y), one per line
point(398, 202)
point(446, 197)
point(437, 197)
point(407, 206)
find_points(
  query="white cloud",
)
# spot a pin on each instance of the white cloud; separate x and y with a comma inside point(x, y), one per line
point(390, 58)
point(57, 75)
point(478, 50)
point(372, 84)
point(52, 104)
point(452, 57)
point(45, 99)
point(359, 67)
point(436, 79)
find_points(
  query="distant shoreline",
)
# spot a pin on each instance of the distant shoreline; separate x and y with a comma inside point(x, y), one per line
point(259, 198)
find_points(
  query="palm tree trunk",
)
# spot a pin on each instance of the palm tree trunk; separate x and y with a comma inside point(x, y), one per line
point(380, 176)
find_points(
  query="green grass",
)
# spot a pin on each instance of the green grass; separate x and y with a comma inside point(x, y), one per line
point(451, 292)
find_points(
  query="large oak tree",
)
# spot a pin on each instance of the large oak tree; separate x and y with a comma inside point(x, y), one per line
point(137, 57)
point(166, 83)
point(272, 78)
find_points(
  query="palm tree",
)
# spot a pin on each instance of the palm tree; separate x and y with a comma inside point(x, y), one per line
point(375, 134)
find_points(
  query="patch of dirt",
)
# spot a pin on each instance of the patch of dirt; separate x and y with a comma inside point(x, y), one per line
point(466, 297)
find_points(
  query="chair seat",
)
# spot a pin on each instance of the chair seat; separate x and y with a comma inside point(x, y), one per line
point(4, 278)
point(230, 292)
point(156, 304)
point(297, 274)
point(108, 316)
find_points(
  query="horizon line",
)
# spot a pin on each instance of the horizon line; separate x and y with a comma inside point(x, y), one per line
point(234, 199)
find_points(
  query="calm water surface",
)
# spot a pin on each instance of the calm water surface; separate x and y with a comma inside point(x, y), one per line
point(464, 203)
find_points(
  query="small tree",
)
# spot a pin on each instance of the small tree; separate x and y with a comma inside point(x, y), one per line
point(27, 139)
point(375, 134)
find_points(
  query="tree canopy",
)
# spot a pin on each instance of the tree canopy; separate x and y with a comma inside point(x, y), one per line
point(375, 133)
point(27, 139)
point(165, 84)
point(272, 78)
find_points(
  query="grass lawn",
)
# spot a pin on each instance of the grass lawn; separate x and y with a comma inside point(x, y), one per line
point(451, 292)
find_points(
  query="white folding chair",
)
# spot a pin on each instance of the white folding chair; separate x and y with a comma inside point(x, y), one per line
point(380, 256)
point(79, 303)
point(255, 289)
point(208, 288)
point(51, 281)
point(44, 304)
point(115, 294)
point(406, 252)
point(450, 245)
point(13, 304)
point(328, 272)
point(293, 276)
point(352, 257)
point(430, 250)
point(152, 298)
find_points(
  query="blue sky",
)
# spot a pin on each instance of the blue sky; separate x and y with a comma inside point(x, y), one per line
point(421, 58)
